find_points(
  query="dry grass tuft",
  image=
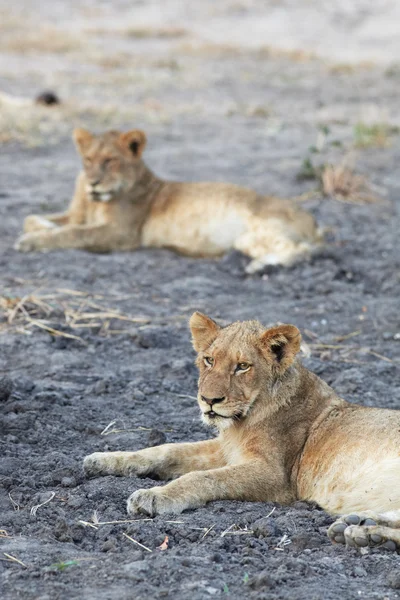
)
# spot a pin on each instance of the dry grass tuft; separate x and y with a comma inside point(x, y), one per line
point(341, 183)
point(377, 135)
point(59, 313)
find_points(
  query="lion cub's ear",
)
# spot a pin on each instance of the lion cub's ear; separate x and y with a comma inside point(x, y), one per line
point(82, 138)
point(281, 344)
point(204, 331)
point(135, 140)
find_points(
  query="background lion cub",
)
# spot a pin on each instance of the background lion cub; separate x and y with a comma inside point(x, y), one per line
point(119, 204)
point(283, 435)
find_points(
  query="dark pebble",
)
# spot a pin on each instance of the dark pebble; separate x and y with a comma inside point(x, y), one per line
point(393, 579)
point(47, 98)
point(156, 438)
point(6, 387)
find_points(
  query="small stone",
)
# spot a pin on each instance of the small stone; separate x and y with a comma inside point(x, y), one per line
point(76, 501)
point(217, 558)
point(265, 527)
point(47, 98)
point(24, 384)
point(49, 398)
point(108, 546)
point(6, 387)
point(212, 591)
point(359, 572)
point(156, 438)
point(68, 482)
point(100, 387)
point(262, 580)
point(304, 540)
point(393, 579)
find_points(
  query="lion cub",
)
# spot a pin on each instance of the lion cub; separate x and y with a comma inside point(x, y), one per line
point(119, 204)
point(283, 435)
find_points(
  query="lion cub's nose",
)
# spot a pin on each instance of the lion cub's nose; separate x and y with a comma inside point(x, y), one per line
point(212, 401)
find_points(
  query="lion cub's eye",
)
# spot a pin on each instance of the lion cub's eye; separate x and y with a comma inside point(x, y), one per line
point(208, 361)
point(87, 161)
point(242, 367)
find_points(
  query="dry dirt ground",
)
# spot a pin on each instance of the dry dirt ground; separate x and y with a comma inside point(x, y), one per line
point(97, 346)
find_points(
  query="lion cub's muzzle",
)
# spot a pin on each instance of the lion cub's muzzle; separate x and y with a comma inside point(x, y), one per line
point(214, 408)
point(211, 402)
point(98, 195)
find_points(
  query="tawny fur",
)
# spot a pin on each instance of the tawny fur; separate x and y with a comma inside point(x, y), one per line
point(119, 204)
point(284, 435)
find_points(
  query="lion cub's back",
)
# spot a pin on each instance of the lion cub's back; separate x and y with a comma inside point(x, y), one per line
point(201, 219)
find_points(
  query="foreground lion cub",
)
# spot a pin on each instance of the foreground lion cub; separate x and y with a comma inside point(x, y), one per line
point(283, 435)
point(120, 205)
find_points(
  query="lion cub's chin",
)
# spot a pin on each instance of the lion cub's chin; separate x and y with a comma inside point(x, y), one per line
point(220, 422)
point(101, 197)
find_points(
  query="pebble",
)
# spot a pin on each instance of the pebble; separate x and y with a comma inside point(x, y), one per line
point(393, 579)
point(359, 572)
point(6, 387)
point(156, 438)
point(68, 482)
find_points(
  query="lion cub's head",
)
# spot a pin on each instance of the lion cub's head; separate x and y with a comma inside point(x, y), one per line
point(111, 161)
point(239, 365)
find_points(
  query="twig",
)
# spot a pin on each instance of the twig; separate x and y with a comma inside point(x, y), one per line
point(208, 531)
point(270, 512)
point(381, 356)
point(237, 532)
point(15, 504)
point(123, 521)
point(55, 331)
point(136, 542)
point(342, 338)
point(104, 432)
point(10, 558)
point(35, 508)
point(113, 431)
point(284, 541)
point(95, 523)
point(88, 524)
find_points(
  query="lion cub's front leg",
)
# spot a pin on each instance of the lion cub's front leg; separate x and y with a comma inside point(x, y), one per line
point(251, 481)
point(35, 223)
point(98, 238)
point(165, 462)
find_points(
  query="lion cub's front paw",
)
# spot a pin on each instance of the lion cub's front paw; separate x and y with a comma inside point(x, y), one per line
point(152, 502)
point(28, 242)
point(96, 464)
